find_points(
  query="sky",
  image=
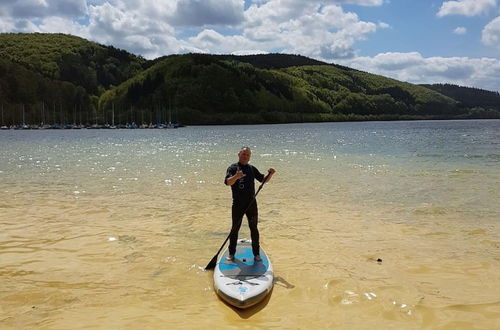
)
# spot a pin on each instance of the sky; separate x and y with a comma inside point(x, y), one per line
point(419, 41)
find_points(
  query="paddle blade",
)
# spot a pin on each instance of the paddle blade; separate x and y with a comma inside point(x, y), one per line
point(212, 263)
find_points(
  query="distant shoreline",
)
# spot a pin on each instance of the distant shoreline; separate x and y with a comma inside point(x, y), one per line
point(175, 126)
point(94, 126)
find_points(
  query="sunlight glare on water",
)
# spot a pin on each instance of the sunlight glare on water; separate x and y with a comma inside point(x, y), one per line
point(368, 225)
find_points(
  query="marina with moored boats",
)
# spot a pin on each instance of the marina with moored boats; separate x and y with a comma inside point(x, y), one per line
point(30, 120)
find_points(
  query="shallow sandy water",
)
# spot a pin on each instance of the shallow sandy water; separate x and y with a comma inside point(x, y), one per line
point(117, 235)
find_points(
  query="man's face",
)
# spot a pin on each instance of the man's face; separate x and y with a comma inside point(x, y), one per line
point(244, 156)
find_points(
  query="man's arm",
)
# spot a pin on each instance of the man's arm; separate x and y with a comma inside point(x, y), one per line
point(230, 180)
point(260, 177)
point(271, 172)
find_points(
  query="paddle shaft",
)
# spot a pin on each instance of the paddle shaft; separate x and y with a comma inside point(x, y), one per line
point(211, 264)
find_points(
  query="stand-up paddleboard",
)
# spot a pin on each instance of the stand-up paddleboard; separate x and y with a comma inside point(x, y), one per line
point(243, 282)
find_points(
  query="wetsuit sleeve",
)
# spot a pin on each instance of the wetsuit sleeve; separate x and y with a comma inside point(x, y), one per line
point(259, 176)
point(231, 170)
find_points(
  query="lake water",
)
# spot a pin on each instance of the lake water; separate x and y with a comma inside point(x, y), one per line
point(111, 229)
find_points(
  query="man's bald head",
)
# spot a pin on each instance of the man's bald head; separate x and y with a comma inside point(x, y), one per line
point(244, 155)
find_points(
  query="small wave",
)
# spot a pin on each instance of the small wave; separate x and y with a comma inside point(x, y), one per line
point(487, 156)
point(430, 211)
point(491, 243)
point(458, 172)
point(436, 233)
point(430, 155)
point(476, 232)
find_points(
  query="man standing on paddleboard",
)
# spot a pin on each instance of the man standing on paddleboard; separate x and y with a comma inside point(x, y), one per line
point(240, 176)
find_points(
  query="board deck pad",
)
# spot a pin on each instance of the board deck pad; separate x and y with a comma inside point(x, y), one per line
point(243, 264)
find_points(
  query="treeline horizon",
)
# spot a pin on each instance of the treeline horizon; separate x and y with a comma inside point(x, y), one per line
point(57, 78)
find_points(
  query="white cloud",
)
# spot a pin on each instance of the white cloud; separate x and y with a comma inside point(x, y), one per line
point(460, 30)
point(17, 26)
point(211, 41)
point(208, 39)
point(383, 25)
point(249, 52)
point(316, 28)
point(413, 67)
point(208, 12)
point(349, 2)
point(129, 29)
point(397, 61)
point(6, 25)
point(361, 2)
point(491, 33)
point(310, 28)
point(292, 26)
point(29, 9)
point(58, 24)
point(466, 7)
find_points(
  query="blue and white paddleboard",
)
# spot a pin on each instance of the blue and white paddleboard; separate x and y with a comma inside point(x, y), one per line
point(243, 282)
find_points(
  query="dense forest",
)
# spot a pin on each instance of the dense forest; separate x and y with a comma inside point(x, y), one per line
point(68, 58)
point(28, 97)
point(61, 79)
point(219, 89)
point(480, 102)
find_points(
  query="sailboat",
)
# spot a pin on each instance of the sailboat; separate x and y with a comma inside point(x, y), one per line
point(24, 126)
point(43, 125)
point(112, 117)
point(3, 124)
point(170, 124)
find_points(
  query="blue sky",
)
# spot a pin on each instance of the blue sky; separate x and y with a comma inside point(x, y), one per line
point(419, 41)
point(415, 26)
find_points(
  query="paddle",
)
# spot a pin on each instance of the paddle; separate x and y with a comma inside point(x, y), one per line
point(213, 262)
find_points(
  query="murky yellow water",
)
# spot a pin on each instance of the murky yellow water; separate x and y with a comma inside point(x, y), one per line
point(125, 247)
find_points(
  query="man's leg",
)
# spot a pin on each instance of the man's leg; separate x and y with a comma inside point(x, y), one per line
point(253, 219)
point(237, 216)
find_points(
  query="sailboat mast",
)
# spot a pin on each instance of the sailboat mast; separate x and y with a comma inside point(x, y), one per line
point(43, 112)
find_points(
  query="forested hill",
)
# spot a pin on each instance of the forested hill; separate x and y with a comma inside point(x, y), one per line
point(267, 61)
point(30, 90)
point(68, 58)
point(210, 89)
point(83, 81)
point(468, 96)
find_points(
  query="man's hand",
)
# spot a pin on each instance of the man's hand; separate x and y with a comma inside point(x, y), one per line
point(239, 174)
point(271, 172)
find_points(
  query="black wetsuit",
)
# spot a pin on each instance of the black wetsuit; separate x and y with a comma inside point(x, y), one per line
point(243, 191)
